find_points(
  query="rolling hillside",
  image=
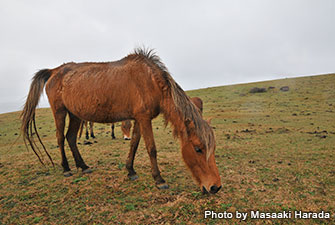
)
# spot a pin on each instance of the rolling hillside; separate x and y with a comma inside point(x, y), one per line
point(274, 150)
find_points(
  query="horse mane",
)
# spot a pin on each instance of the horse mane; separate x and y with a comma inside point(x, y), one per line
point(181, 102)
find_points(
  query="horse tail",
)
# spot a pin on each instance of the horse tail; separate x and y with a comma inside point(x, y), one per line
point(28, 125)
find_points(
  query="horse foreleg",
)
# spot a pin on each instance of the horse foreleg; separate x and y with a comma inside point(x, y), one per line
point(71, 137)
point(136, 136)
point(146, 131)
point(86, 128)
point(91, 129)
point(113, 135)
point(59, 116)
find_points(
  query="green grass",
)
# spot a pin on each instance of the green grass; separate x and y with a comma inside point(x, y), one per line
point(275, 151)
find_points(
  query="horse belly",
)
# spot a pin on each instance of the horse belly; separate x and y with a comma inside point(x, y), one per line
point(96, 104)
point(99, 109)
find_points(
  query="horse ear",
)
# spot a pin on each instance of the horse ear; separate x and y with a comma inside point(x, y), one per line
point(189, 126)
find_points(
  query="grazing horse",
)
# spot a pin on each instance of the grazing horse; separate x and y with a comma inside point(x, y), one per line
point(96, 92)
point(125, 128)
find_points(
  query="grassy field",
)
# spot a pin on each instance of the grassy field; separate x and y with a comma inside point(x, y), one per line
point(275, 152)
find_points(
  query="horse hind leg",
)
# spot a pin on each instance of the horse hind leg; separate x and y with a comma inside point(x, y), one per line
point(71, 137)
point(59, 116)
point(136, 136)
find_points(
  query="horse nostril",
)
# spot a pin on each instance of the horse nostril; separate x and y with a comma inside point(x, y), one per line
point(204, 191)
point(215, 189)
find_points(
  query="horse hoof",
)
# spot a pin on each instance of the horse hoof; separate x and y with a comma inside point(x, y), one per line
point(88, 170)
point(163, 186)
point(67, 174)
point(133, 177)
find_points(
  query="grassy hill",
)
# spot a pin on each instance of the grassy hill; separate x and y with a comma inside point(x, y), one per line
point(275, 152)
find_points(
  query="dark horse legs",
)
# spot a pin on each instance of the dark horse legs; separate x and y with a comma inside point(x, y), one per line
point(146, 131)
point(71, 137)
point(91, 129)
point(113, 135)
point(136, 136)
point(59, 116)
point(143, 127)
point(91, 124)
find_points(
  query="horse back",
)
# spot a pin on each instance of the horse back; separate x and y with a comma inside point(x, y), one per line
point(105, 92)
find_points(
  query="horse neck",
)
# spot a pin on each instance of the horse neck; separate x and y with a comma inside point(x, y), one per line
point(173, 116)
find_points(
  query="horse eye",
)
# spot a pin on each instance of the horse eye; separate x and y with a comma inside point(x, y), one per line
point(197, 149)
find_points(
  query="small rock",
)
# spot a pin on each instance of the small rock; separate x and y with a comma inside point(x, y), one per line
point(285, 88)
point(257, 90)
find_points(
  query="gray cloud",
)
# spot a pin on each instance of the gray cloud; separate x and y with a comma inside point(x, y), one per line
point(202, 43)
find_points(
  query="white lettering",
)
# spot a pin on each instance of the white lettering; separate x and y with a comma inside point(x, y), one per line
point(311, 215)
point(269, 215)
point(254, 214)
point(207, 213)
point(241, 215)
point(228, 215)
point(218, 215)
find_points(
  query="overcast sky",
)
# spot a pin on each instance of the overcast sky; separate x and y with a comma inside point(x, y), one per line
point(203, 43)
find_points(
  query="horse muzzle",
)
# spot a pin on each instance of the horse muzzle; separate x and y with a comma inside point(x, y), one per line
point(213, 189)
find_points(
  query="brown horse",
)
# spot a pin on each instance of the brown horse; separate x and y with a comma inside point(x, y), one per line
point(198, 103)
point(150, 91)
point(125, 128)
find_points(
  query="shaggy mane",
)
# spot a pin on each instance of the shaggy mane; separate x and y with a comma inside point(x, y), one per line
point(182, 103)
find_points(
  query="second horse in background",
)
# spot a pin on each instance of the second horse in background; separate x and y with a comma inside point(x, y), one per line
point(125, 127)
